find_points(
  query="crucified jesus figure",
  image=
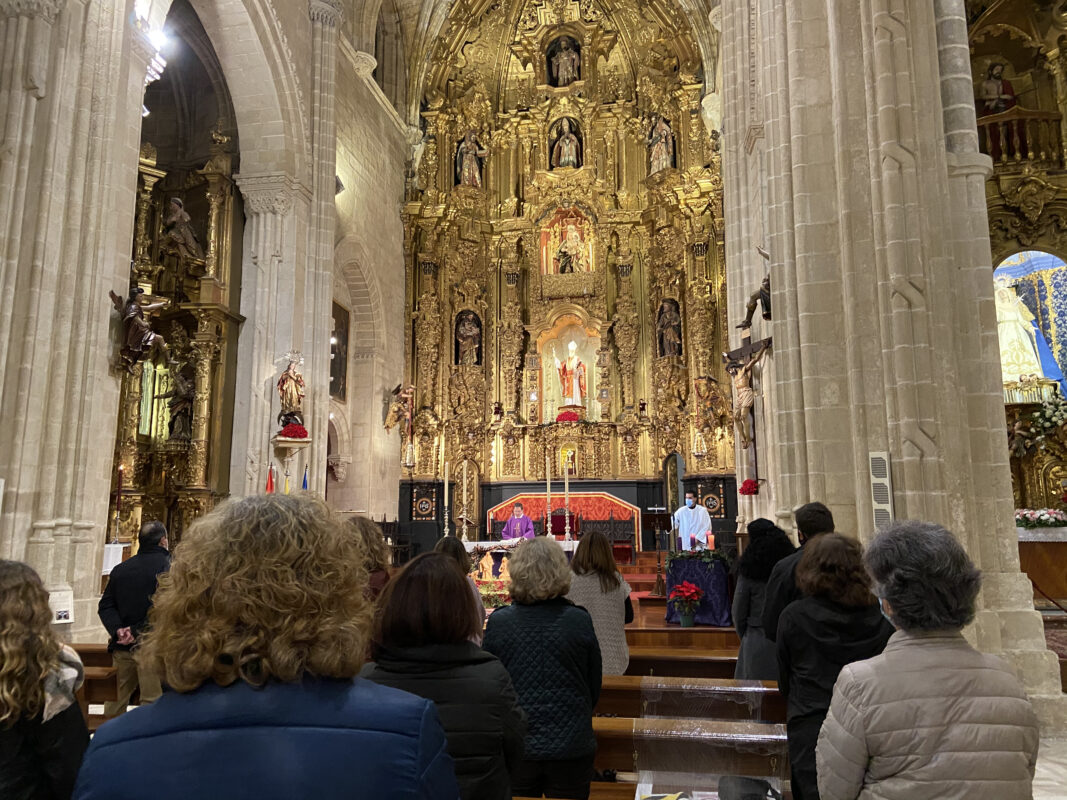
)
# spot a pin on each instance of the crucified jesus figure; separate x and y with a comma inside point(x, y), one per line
point(744, 397)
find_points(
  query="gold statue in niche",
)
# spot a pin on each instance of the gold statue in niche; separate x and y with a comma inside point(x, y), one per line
point(567, 243)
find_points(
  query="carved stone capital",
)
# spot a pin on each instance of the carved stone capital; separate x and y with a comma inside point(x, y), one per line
point(326, 12)
point(267, 194)
point(364, 63)
point(47, 10)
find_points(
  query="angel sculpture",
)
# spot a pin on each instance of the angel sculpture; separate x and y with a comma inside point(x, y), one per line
point(140, 340)
point(400, 408)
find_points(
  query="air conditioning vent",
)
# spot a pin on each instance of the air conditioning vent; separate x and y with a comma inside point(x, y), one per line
point(881, 489)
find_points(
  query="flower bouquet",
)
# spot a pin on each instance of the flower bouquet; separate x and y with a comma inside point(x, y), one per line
point(748, 487)
point(685, 597)
point(293, 431)
point(567, 416)
point(1040, 518)
point(494, 593)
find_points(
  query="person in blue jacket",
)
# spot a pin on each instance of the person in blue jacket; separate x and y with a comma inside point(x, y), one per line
point(259, 631)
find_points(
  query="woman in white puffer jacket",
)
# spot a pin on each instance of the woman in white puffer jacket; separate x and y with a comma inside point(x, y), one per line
point(930, 717)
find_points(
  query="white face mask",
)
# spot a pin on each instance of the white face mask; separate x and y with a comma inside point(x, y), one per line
point(881, 607)
point(690, 502)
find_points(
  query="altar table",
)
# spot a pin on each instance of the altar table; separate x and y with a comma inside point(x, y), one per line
point(714, 608)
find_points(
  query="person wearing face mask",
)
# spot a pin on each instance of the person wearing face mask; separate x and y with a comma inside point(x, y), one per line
point(692, 524)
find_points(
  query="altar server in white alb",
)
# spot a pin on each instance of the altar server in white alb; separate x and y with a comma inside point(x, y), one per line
point(692, 524)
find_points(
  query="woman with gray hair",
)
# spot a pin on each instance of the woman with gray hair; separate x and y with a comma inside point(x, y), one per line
point(550, 649)
point(930, 717)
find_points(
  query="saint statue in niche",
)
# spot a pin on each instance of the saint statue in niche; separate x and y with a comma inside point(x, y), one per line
point(181, 398)
point(669, 328)
point(660, 147)
point(566, 62)
point(469, 157)
point(468, 339)
point(178, 235)
point(995, 94)
point(569, 253)
point(572, 385)
point(291, 394)
point(567, 151)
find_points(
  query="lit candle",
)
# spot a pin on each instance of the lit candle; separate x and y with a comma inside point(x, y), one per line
point(446, 497)
point(464, 501)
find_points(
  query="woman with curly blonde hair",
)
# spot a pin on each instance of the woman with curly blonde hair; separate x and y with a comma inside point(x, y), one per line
point(260, 629)
point(42, 732)
point(550, 649)
point(375, 554)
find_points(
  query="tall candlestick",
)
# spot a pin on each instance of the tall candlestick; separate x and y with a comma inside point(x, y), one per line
point(548, 493)
point(567, 497)
point(465, 514)
point(445, 511)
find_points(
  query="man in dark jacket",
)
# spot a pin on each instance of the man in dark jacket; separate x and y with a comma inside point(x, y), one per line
point(124, 611)
point(812, 520)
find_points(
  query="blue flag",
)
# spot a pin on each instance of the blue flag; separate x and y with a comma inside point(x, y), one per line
point(305, 486)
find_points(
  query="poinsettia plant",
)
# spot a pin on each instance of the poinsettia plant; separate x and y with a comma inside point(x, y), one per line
point(749, 487)
point(294, 431)
point(567, 416)
point(686, 597)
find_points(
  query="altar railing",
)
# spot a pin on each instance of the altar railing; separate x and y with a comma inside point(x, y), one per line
point(1020, 136)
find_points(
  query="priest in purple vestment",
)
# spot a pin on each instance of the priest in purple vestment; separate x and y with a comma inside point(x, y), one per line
point(518, 526)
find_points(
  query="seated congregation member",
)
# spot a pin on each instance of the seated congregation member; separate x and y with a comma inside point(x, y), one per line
point(930, 717)
point(42, 731)
point(451, 546)
point(813, 519)
point(767, 545)
point(258, 631)
point(422, 644)
point(550, 649)
point(375, 554)
point(836, 623)
point(598, 587)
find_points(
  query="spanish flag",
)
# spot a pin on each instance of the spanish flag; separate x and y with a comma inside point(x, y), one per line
point(270, 479)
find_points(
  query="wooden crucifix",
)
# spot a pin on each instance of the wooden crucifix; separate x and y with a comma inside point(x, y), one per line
point(739, 363)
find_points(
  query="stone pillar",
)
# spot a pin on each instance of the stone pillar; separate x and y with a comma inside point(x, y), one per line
point(318, 320)
point(884, 329)
point(268, 285)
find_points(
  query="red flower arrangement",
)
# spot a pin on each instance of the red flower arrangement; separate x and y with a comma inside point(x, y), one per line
point(686, 597)
point(567, 416)
point(748, 487)
point(294, 431)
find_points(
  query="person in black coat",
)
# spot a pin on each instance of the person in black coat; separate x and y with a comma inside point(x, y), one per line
point(812, 520)
point(42, 732)
point(767, 545)
point(838, 622)
point(422, 645)
point(124, 608)
point(550, 649)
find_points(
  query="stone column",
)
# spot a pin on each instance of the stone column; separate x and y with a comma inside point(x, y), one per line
point(318, 320)
point(884, 329)
point(268, 284)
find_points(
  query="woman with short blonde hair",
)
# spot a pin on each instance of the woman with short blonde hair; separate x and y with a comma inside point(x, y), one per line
point(42, 731)
point(260, 627)
point(549, 648)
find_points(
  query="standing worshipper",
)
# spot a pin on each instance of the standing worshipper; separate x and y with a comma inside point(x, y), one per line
point(518, 526)
point(422, 644)
point(767, 545)
point(930, 717)
point(452, 547)
point(599, 588)
point(549, 648)
point(692, 524)
point(836, 623)
point(813, 519)
point(42, 731)
point(375, 554)
point(123, 609)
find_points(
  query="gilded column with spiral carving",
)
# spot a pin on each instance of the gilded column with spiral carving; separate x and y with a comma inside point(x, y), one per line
point(205, 348)
point(625, 329)
point(511, 337)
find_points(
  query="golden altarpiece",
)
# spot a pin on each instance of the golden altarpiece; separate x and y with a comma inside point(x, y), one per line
point(172, 451)
point(565, 249)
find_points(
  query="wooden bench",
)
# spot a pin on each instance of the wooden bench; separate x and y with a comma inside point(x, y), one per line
point(713, 748)
point(682, 663)
point(93, 654)
point(716, 699)
point(101, 685)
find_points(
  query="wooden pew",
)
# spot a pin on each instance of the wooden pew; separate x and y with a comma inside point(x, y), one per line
point(93, 654)
point(717, 699)
point(712, 748)
point(101, 680)
point(682, 663)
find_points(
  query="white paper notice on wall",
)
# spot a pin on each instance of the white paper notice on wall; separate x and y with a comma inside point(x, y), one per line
point(112, 556)
point(62, 604)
